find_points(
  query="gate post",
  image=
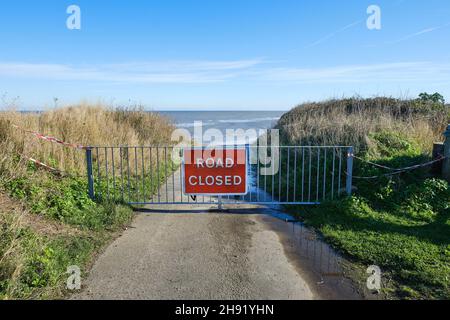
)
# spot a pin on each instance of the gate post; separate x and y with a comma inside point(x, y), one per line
point(219, 204)
point(90, 176)
point(349, 171)
point(446, 163)
point(438, 152)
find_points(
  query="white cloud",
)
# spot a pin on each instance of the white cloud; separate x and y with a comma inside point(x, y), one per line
point(386, 72)
point(256, 70)
point(140, 72)
point(186, 66)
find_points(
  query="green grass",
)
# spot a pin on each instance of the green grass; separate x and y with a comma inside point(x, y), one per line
point(135, 188)
point(401, 224)
point(38, 268)
point(33, 263)
point(63, 199)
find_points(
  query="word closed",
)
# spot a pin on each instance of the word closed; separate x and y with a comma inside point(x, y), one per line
point(215, 171)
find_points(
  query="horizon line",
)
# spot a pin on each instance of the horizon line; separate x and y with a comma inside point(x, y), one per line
point(169, 110)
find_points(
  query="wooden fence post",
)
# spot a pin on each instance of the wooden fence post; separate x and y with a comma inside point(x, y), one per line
point(90, 176)
point(446, 163)
point(438, 153)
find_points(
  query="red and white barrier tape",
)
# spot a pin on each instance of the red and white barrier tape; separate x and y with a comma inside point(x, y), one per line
point(373, 164)
point(51, 139)
point(402, 170)
point(41, 164)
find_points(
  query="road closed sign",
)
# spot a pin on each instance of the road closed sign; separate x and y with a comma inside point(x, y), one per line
point(215, 171)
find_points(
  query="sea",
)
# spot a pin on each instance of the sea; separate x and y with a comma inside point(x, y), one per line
point(224, 120)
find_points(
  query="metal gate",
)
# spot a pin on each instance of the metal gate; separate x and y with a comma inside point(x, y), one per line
point(143, 175)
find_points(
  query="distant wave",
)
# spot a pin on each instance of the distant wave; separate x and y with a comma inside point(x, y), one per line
point(185, 125)
point(237, 141)
point(212, 123)
point(249, 120)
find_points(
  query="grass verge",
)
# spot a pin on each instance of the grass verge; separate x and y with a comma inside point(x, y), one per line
point(400, 223)
point(47, 221)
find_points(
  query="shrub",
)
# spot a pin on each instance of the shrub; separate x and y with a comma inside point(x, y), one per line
point(351, 121)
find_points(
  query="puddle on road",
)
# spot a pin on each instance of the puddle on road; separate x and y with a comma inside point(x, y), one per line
point(313, 258)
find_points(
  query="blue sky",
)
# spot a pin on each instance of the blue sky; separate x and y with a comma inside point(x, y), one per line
point(221, 54)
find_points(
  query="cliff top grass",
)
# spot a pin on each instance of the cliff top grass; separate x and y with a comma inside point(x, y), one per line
point(350, 121)
point(400, 223)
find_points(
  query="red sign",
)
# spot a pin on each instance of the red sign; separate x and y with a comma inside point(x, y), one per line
point(215, 171)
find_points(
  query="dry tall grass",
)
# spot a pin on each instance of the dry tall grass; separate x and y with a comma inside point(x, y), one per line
point(350, 121)
point(82, 124)
point(55, 208)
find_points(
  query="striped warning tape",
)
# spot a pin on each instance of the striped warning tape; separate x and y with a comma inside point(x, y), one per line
point(43, 165)
point(402, 170)
point(51, 169)
point(51, 139)
point(373, 163)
